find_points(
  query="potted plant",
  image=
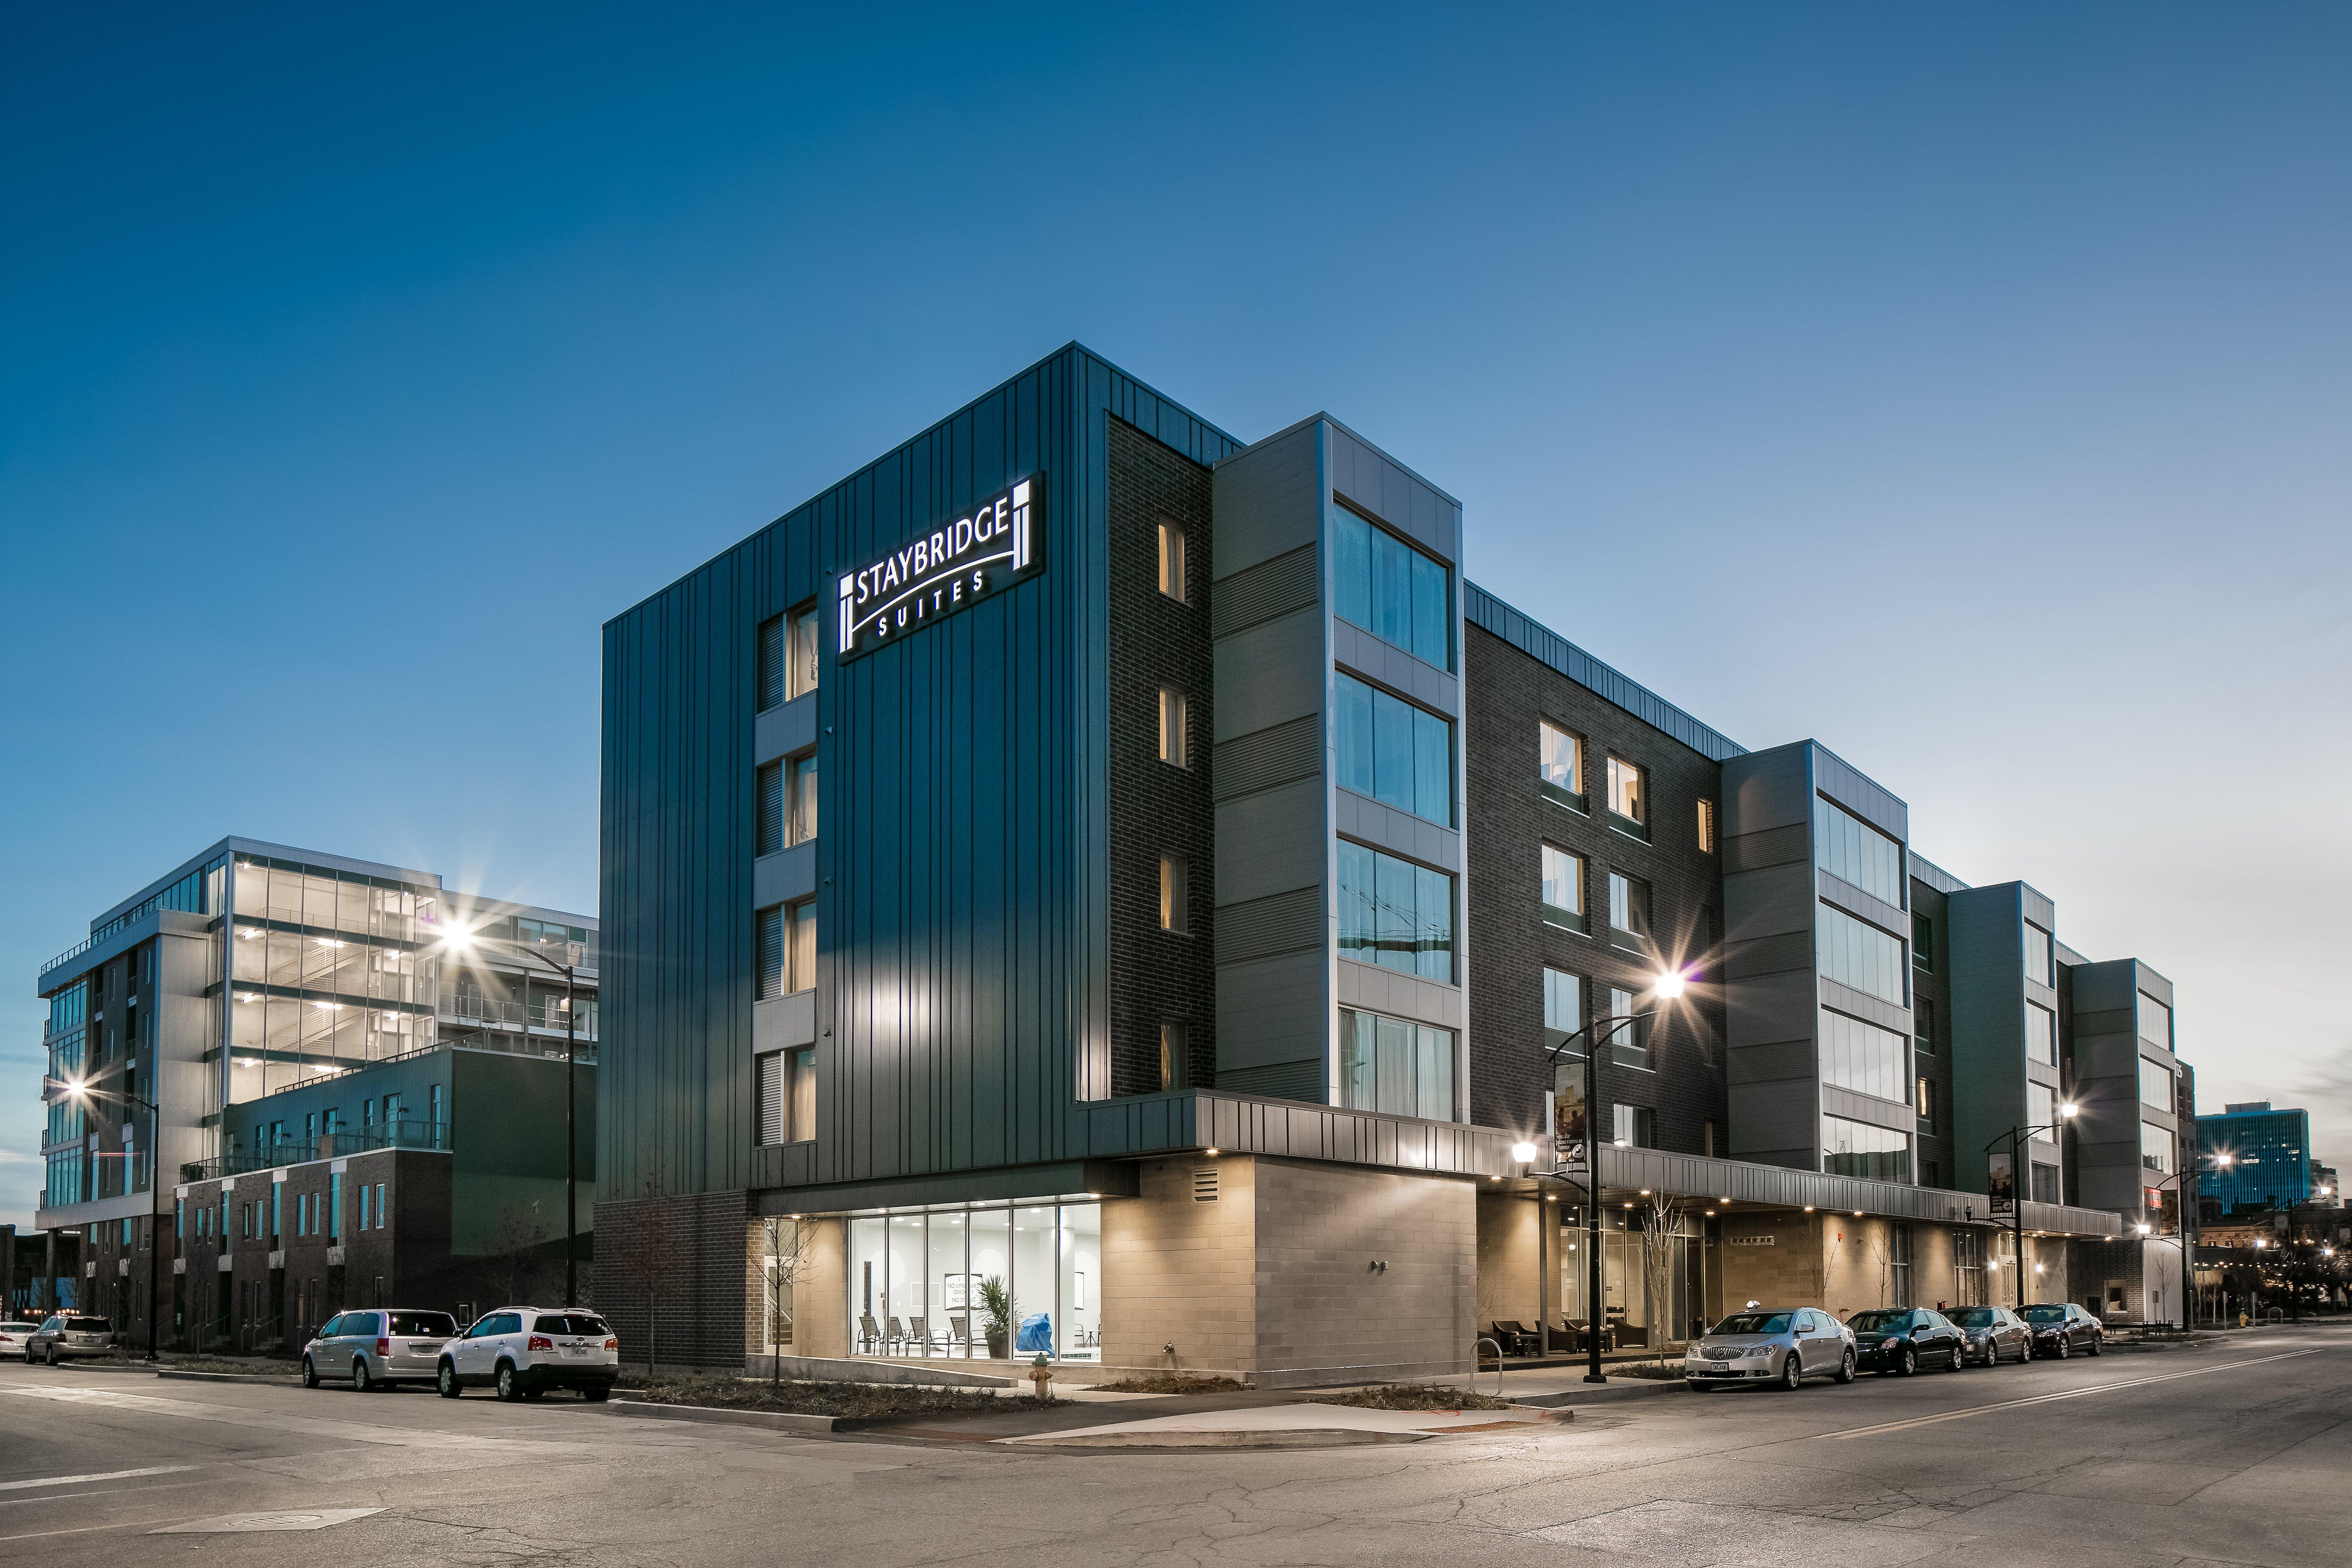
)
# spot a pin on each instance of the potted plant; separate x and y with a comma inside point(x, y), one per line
point(996, 1316)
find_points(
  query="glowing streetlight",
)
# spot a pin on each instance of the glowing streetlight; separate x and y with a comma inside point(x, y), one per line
point(1524, 1153)
point(1670, 984)
point(2070, 1109)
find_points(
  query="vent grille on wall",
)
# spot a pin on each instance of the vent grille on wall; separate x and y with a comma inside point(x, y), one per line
point(1278, 754)
point(1204, 1186)
point(1260, 593)
point(1279, 922)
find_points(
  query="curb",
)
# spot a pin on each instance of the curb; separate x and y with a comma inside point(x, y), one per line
point(772, 1420)
point(1607, 1393)
point(272, 1380)
point(1299, 1438)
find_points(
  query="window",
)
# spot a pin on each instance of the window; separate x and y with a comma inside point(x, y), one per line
point(335, 1207)
point(1923, 1022)
point(2155, 1084)
point(1391, 589)
point(771, 662)
point(2042, 1110)
point(1399, 754)
point(1395, 1067)
point(1864, 1057)
point(179, 1218)
point(1852, 954)
point(1851, 1148)
point(1707, 827)
point(1563, 1009)
point(276, 1192)
point(1635, 1127)
point(800, 652)
point(1926, 1103)
point(2037, 953)
point(1923, 943)
point(1628, 1036)
point(382, 1215)
point(1851, 850)
point(801, 825)
point(1561, 763)
point(1175, 1065)
point(364, 1207)
point(1394, 913)
point(1175, 894)
point(1174, 716)
point(768, 828)
point(2154, 1023)
point(1171, 561)
point(1629, 906)
point(768, 953)
point(787, 1087)
point(1628, 792)
point(800, 945)
point(1563, 890)
point(2040, 1035)
point(2155, 1148)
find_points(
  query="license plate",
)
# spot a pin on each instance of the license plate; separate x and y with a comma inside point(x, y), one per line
point(575, 1351)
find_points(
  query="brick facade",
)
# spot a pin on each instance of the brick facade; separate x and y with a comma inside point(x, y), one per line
point(673, 1269)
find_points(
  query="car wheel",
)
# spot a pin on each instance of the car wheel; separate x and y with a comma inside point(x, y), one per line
point(447, 1381)
point(1910, 1362)
point(310, 1374)
point(2063, 1348)
point(1792, 1373)
point(1845, 1368)
point(2098, 1344)
point(510, 1389)
point(598, 1395)
point(1958, 1358)
point(361, 1382)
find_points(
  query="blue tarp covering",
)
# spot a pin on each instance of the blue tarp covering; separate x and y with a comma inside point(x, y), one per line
point(1037, 1333)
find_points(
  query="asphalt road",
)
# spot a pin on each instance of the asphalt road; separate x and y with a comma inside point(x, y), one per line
point(2231, 1454)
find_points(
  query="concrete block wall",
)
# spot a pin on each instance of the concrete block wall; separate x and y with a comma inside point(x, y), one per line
point(1785, 1271)
point(1179, 1271)
point(1320, 1301)
point(1510, 1259)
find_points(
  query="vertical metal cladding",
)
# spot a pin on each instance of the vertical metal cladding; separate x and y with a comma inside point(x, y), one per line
point(962, 895)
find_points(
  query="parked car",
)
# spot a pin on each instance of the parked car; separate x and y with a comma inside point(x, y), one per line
point(1995, 1334)
point(14, 1338)
point(379, 1348)
point(1905, 1339)
point(2061, 1328)
point(523, 1351)
point(1779, 1346)
point(67, 1335)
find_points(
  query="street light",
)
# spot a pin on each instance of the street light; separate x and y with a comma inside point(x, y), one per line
point(81, 1090)
point(461, 940)
point(2015, 1137)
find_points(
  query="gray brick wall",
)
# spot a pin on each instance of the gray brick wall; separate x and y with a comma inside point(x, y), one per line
point(674, 1266)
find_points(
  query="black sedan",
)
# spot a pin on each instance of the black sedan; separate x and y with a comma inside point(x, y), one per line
point(1995, 1334)
point(2061, 1328)
point(1905, 1339)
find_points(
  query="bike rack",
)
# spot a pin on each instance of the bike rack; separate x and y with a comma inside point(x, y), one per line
point(1486, 1340)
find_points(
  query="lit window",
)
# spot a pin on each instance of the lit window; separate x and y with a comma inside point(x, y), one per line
point(1628, 796)
point(1175, 1065)
point(1561, 763)
point(1172, 719)
point(1563, 888)
point(1171, 561)
point(1175, 894)
point(1563, 1005)
point(1707, 827)
point(800, 664)
point(784, 938)
point(803, 825)
point(787, 1092)
point(1395, 1065)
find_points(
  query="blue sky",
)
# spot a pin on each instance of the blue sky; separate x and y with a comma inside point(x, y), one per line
point(1961, 386)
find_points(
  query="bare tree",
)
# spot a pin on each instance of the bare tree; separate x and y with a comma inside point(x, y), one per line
point(788, 1260)
point(1662, 1226)
point(646, 1245)
point(1875, 1243)
point(510, 1275)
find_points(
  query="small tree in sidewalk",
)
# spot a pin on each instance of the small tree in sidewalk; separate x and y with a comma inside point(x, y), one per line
point(1661, 1227)
point(647, 1248)
point(788, 1260)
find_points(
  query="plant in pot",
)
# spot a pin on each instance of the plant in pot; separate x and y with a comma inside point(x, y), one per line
point(996, 1316)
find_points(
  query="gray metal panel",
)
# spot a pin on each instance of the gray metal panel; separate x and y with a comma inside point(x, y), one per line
point(1836, 1101)
point(1271, 842)
point(1935, 876)
point(783, 730)
point(1777, 1116)
point(1859, 793)
point(783, 1022)
point(1269, 674)
point(1687, 1175)
point(1270, 498)
point(1769, 902)
point(1767, 790)
point(786, 877)
point(1385, 664)
point(1865, 907)
point(1367, 821)
point(1863, 1005)
point(1984, 996)
point(1381, 989)
point(1273, 1010)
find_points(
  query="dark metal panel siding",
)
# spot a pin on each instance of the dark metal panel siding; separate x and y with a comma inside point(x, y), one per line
point(962, 905)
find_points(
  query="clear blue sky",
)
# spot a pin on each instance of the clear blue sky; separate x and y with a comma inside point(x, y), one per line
point(1965, 386)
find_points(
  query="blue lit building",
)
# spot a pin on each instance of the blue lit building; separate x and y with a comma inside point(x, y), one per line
point(2270, 1157)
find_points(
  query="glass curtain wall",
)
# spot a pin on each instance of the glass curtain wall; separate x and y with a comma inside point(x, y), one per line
point(1646, 1305)
point(325, 974)
point(920, 1283)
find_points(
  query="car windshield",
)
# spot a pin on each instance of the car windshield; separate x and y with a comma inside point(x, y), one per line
point(1755, 1323)
point(571, 1323)
point(2045, 1314)
point(437, 1323)
point(1976, 1317)
point(1879, 1320)
point(86, 1326)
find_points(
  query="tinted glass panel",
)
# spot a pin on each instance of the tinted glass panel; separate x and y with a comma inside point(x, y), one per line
point(1855, 953)
point(1859, 1149)
point(1755, 1323)
point(439, 1325)
point(1851, 850)
point(1864, 1057)
point(571, 1323)
point(1394, 913)
point(1394, 1065)
point(1391, 590)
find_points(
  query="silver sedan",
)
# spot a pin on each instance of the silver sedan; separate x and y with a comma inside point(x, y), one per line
point(1779, 1347)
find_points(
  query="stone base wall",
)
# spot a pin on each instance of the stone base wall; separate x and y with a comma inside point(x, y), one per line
point(1180, 1268)
point(1363, 1269)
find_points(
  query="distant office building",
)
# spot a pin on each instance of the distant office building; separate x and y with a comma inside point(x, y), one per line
point(2269, 1153)
point(303, 1031)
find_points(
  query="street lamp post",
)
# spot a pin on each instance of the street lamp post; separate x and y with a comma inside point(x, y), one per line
point(2016, 1138)
point(2180, 1234)
point(81, 1090)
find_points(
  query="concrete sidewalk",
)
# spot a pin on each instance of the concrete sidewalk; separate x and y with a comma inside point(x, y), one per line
point(1307, 1424)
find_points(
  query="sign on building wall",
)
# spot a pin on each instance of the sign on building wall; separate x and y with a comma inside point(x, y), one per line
point(934, 574)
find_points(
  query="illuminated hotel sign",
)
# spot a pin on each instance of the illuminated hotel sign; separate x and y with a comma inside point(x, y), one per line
point(933, 575)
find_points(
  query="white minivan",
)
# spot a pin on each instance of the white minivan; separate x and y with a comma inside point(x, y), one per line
point(523, 1351)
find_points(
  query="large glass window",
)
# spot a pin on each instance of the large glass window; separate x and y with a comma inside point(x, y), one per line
point(1628, 791)
point(1394, 913)
point(2042, 1110)
point(1563, 1007)
point(1395, 1065)
point(2154, 1023)
point(1175, 718)
point(1561, 762)
point(802, 661)
point(1864, 1057)
point(2037, 953)
point(1391, 589)
point(802, 826)
point(1399, 754)
point(1629, 904)
point(920, 1283)
point(2155, 1148)
point(1851, 850)
point(1855, 953)
point(2040, 1035)
point(2156, 1087)
point(1563, 888)
point(1859, 1149)
point(1171, 559)
point(1627, 1030)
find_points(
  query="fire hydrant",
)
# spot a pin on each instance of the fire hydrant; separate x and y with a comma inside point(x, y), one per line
point(1043, 1376)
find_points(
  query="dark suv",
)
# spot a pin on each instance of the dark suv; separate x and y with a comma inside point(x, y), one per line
point(2061, 1328)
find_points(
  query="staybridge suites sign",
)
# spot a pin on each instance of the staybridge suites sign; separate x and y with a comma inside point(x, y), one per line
point(985, 551)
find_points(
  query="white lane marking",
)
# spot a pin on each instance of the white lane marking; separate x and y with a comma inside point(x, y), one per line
point(277, 1519)
point(95, 1476)
point(2068, 1393)
point(291, 1425)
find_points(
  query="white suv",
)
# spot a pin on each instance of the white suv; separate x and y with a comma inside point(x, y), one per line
point(523, 1351)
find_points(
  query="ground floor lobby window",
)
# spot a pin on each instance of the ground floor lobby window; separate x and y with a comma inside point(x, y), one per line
point(971, 1283)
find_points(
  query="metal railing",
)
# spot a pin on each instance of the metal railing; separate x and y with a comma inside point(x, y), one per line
point(498, 1014)
point(335, 1145)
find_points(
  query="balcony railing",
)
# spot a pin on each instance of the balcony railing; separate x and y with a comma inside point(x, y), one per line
point(335, 1145)
point(495, 1014)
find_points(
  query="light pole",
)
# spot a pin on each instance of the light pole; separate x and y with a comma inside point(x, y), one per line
point(1668, 986)
point(2180, 1234)
point(81, 1090)
point(2015, 1138)
point(461, 940)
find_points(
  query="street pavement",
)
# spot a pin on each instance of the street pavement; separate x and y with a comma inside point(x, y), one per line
point(2235, 1452)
